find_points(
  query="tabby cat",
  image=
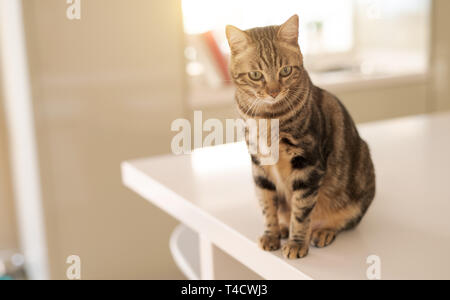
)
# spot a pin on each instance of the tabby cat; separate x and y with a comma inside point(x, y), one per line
point(324, 180)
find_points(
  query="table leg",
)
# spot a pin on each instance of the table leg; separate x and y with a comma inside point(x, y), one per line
point(206, 259)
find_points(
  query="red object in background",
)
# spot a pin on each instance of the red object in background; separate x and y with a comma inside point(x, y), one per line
point(219, 58)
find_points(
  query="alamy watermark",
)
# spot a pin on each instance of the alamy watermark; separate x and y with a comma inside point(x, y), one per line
point(374, 270)
point(74, 270)
point(73, 12)
point(373, 10)
point(263, 135)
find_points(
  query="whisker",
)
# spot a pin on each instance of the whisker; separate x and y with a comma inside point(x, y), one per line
point(251, 106)
point(256, 110)
point(288, 100)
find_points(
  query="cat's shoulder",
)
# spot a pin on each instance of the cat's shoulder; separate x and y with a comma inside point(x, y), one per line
point(327, 100)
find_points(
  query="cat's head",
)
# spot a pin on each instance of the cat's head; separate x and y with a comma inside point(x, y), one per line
point(266, 62)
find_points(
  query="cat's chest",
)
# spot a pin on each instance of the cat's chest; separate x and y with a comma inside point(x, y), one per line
point(281, 172)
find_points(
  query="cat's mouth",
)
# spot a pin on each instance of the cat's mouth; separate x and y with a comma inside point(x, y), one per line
point(269, 100)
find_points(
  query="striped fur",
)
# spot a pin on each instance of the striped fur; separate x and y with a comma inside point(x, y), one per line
point(324, 181)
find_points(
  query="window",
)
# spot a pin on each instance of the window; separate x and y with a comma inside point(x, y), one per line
point(323, 30)
point(345, 38)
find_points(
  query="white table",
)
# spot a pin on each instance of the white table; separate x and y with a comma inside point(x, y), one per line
point(408, 226)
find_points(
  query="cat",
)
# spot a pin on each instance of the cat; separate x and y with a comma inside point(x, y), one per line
point(324, 180)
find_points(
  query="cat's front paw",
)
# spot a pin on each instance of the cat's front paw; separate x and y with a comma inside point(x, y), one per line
point(269, 242)
point(294, 250)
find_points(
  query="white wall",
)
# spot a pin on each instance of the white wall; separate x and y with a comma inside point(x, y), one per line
point(106, 88)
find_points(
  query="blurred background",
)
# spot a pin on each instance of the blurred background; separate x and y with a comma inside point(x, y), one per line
point(78, 97)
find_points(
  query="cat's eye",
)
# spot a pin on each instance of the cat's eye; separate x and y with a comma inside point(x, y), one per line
point(255, 75)
point(286, 71)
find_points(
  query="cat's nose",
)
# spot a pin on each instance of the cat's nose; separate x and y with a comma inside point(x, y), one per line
point(274, 93)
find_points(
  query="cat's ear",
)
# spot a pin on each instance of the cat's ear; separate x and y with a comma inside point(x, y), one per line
point(288, 32)
point(237, 39)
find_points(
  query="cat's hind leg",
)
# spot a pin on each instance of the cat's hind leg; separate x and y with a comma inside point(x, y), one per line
point(329, 221)
point(323, 237)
